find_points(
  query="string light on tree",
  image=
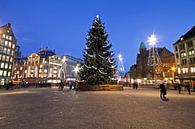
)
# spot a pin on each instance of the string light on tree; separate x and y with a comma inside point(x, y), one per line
point(121, 68)
point(153, 58)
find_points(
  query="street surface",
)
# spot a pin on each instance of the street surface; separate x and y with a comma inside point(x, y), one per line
point(49, 108)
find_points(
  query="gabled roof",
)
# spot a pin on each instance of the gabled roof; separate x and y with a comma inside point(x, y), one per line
point(189, 34)
point(7, 27)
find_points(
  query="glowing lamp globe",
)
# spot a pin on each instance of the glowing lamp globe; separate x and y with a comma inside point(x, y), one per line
point(152, 40)
point(120, 57)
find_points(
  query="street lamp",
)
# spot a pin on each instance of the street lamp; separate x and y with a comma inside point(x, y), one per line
point(173, 69)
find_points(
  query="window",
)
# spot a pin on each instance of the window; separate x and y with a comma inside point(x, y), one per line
point(185, 70)
point(6, 43)
point(3, 35)
point(11, 59)
point(176, 48)
point(3, 57)
point(192, 60)
point(191, 52)
point(8, 51)
point(177, 56)
point(1, 72)
point(192, 69)
point(183, 54)
point(6, 65)
point(182, 47)
point(45, 70)
point(1, 43)
point(5, 50)
point(2, 65)
point(5, 73)
point(184, 62)
point(7, 58)
point(10, 37)
point(0, 56)
point(10, 44)
point(8, 74)
point(13, 46)
point(190, 44)
point(10, 66)
point(179, 71)
point(12, 53)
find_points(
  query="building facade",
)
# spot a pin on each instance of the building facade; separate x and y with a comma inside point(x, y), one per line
point(7, 50)
point(184, 50)
point(42, 67)
point(45, 67)
point(164, 71)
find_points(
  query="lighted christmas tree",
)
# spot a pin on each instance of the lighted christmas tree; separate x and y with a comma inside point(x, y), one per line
point(99, 65)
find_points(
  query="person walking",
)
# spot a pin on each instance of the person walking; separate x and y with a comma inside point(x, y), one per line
point(61, 86)
point(179, 88)
point(163, 91)
point(188, 87)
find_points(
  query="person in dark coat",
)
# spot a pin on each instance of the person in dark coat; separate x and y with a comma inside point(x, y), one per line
point(163, 91)
point(188, 87)
point(9, 85)
point(179, 88)
point(61, 86)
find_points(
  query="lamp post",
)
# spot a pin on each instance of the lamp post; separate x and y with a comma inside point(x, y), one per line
point(173, 72)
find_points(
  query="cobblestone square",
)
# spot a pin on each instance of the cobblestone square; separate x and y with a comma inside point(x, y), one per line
point(49, 108)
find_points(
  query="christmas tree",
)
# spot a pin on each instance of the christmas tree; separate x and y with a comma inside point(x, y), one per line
point(99, 65)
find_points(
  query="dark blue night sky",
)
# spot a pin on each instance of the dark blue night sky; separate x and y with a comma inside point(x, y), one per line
point(63, 24)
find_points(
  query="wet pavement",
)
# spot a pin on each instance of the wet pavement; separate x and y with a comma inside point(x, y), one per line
point(49, 108)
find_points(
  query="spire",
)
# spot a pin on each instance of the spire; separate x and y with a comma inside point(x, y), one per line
point(142, 46)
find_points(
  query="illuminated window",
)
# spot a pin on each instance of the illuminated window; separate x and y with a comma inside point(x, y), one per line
point(3, 57)
point(192, 69)
point(185, 70)
point(20, 68)
point(8, 74)
point(179, 71)
point(8, 51)
point(45, 70)
point(3, 35)
point(7, 58)
point(1, 72)
point(183, 54)
point(2, 65)
point(10, 37)
point(11, 59)
point(13, 46)
point(7, 37)
point(10, 66)
point(5, 73)
point(191, 52)
point(5, 50)
point(10, 44)
point(6, 43)
point(12, 53)
point(6, 65)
